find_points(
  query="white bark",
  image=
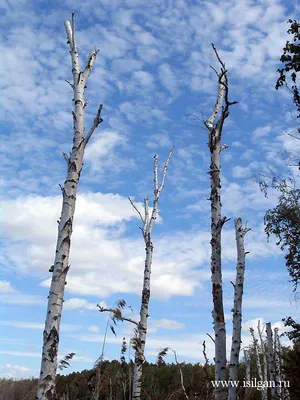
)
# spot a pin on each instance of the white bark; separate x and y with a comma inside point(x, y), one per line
point(264, 391)
point(147, 228)
point(46, 386)
point(247, 365)
point(282, 392)
point(271, 359)
point(247, 372)
point(263, 352)
point(214, 127)
point(258, 362)
point(237, 307)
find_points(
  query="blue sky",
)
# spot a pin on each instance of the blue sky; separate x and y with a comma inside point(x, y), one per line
point(152, 71)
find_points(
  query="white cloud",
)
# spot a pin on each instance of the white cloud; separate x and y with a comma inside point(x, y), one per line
point(20, 353)
point(22, 299)
point(22, 324)
point(38, 326)
point(5, 287)
point(262, 131)
point(143, 77)
point(79, 303)
point(159, 140)
point(240, 172)
point(98, 251)
point(13, 371)
point(258, 303)
point(94, 329)
point(127, 65)
point(135, 111)
point(101, 153)
point(155, 325)
point(168, 78)
point(21, 218)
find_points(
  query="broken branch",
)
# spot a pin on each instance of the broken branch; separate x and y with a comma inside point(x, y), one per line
point(97, 121)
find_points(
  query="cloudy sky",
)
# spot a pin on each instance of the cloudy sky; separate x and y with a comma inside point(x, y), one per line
point(153, 75)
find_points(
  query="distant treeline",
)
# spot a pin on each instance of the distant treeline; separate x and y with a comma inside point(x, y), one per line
point(160, 382)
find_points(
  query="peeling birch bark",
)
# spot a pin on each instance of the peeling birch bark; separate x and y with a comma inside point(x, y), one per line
point(140, 339)
point(214, 126)
point(237, 307)
point(60, 268)
point(271, 358)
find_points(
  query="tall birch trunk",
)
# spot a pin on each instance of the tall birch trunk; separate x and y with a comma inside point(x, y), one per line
point(237, 308)
point(263, 352)
point(247, 373)
point(140, 340)
point(264, 366)
point(46, 386)
point(282, 392)
point(271, 359)
point(258, 363)
point(214, 126)
point(247, 365)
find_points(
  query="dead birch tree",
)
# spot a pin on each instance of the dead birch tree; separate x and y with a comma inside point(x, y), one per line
point(247, 364)
point(258, 360)
point(283, 392)
point(260, 370)
point(214, 126)
point(263, 352)
point(271, 359)
point(240, 233)
point(148, 222)
point(60, 268)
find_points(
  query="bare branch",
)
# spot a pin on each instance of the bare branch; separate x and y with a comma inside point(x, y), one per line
point(134, 206)
point(246, 230)
point(165, 170)
point(71, 84)
point(181, 375)
point(210, 337)
point(115, 312)
point(97, 121)
point(204, 353)
point(89, 65)
point(157, 194)
point(66, 157)
point(196, 118)
point(73, 51)
point(155, 175)
point(293, 136)
point(69, 33)
point(217, 55)
point(222, 97)
point(224, 220)
point(73, 30)
point(214, 70)
point(146, 220)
